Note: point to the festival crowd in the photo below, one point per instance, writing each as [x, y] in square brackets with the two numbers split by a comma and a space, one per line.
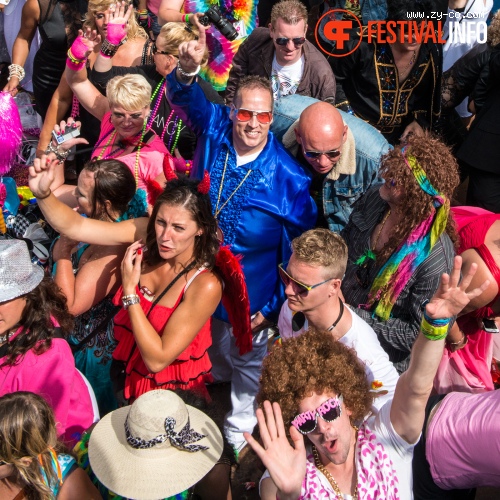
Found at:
[229, 197]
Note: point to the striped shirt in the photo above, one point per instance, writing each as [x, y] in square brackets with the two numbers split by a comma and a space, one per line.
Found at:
[397, 334]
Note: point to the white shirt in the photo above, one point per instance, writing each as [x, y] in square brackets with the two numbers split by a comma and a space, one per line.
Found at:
[362, 338]
[285, 79]
[399, 451]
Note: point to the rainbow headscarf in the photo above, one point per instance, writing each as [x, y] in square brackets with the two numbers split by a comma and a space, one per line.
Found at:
[396, 272]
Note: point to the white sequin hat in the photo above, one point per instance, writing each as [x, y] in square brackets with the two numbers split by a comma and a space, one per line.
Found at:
[18, 275]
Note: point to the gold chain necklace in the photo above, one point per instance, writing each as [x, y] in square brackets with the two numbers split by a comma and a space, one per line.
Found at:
[384, 220]
[328, 476]
[217, 209]
[403, 73]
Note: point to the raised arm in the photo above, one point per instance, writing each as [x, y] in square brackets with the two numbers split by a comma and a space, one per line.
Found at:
[197, 306]
[116, 20]
[21, 48]
[76, 74]
[170, 11]
[71, 224]
[414, 386]
[59, 108]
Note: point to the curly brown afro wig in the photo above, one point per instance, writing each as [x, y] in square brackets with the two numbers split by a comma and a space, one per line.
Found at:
[441, 169]
[314, 362]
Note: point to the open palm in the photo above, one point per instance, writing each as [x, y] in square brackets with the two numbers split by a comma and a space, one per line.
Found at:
[285, 463]
[451, 296]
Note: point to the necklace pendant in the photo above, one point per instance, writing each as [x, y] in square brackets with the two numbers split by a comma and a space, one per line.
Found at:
[147, 293]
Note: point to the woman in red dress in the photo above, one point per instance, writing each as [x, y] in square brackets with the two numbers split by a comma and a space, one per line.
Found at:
[169, 294]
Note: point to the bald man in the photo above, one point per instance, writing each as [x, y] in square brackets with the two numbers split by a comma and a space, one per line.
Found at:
[342, 155]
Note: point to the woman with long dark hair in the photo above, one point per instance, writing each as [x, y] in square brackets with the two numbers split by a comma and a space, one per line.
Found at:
[89, 275]
[33, 357]
[169, 291]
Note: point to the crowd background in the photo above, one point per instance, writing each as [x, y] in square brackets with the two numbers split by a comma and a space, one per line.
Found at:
[199, 124]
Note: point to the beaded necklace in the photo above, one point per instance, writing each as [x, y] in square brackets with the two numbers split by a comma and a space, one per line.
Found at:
[174, 137]
[112, 135]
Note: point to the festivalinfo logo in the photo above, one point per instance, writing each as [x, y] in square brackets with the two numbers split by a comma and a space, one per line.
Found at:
[338, 25]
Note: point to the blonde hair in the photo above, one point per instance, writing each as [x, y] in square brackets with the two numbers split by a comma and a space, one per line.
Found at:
[132, 92]
[173, 34]
[98, 6]
[291, 11]
[27, 434]
[322, 247]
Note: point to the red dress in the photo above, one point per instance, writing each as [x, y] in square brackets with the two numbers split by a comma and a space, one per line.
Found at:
[190, 371]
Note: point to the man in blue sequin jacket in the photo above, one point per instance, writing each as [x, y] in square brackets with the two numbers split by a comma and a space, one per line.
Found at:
[260, 197]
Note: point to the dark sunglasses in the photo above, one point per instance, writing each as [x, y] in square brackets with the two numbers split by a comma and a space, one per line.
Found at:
[155, 50]
[301, 288]
[329, 411]
[298, 42]
[3, 463]
[315, 155]
[245, 115]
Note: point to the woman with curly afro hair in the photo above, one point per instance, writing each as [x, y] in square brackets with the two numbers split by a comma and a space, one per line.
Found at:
[400, 239]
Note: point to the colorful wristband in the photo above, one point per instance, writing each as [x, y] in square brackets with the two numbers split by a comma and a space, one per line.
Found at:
[436, 322]
[187, 18]
[79, 49]
[433, 332]
[75, 66]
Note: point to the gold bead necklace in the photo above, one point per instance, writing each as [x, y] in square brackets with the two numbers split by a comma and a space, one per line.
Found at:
[330, 478]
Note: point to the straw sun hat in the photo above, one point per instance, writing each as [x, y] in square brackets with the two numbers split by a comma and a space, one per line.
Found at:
[18, 275]
[155, 448]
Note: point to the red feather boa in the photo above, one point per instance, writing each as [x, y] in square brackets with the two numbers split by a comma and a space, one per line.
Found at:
[235, 297]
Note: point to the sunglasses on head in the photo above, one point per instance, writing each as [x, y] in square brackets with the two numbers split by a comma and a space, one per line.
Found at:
[3, 463]
[155, 50]
[298, 42]
[329, 411]
[315, 155]
[301, 288]
[245, 115]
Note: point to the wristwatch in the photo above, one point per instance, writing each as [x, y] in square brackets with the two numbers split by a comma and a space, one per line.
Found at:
[129, 300]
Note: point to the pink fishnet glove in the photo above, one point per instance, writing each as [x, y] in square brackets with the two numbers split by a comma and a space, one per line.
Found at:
[116, 33]
[79, 49]
[74, 66]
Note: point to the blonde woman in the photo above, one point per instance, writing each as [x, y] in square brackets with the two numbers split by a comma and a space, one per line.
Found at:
[136, 50]
[178, 138]
[33, 464]
[124, 133]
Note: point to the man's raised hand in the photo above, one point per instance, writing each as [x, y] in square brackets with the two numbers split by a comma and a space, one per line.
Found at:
[191, 53]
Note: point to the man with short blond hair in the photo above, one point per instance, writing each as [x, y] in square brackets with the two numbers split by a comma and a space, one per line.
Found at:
[312, 279]
[282, 54]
